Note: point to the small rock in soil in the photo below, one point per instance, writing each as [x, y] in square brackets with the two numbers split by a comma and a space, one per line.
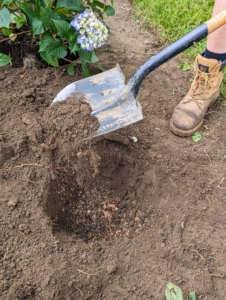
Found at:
[111, 269]
[22, 227]
[12, 204]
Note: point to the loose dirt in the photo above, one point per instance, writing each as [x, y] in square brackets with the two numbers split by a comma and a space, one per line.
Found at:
[117, 216]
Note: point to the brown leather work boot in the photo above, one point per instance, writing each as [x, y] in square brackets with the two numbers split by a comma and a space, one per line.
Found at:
[188, 115]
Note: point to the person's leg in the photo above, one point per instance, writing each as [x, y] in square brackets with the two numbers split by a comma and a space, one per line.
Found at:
[188, 115]
[216, 41]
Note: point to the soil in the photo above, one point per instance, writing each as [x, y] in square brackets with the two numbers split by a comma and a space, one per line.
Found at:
[116, 216]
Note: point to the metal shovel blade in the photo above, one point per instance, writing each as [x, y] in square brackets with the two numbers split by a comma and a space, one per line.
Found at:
[111, 101]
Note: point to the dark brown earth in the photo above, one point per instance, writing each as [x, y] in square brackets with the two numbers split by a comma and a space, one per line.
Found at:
[109, 218]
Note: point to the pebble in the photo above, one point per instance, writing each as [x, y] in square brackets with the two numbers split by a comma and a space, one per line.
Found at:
[27, 93]
[111, 269]
[22, 227]
[12, 204]
[27, 254]
[42, 245]
[12, 266]
[2, 76]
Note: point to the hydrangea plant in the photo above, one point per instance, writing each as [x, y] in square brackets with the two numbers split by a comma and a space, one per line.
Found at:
[93, 33]
[59, 27]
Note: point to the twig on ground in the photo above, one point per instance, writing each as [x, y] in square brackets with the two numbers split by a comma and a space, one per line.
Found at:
[199, 254]
[25, 165]
[221, 182]
[28, 165]
[207, 155]
[6, 39]
[79, 290]
[197, 272]
[7, 250]
[86, 273]
[214, 275]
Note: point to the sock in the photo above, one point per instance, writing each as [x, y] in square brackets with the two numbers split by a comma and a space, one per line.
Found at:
[219, 56]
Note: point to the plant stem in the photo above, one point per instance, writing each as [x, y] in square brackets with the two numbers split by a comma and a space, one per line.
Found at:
[51, 4]
[6, 39]
[70, 61]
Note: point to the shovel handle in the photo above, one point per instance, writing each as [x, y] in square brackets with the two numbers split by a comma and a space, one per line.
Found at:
[216, 22]
[174, 49]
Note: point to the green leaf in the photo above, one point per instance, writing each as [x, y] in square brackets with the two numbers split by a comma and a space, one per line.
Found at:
[37, 6]
[20, 20]
[64, 29]
[6, 31]
[109, 10]
[47, 3]
[85, 70]
[89, 56]
[186, 67]
[98, 3]
[37, 26]
[4, 17]
[196, 137]
[192, 296]
[73, 45]
[27, 10]
[94, 58]
[63, 12]
[70, 69]
[101, 68]
[5, 2]
[13, 37]
[75, 5]
[12, 18]
[4, 59]
[45, 42]
[47, 15]
[173, 292]
[49, 59]
[85, 55]
[98, 11]
[57, 48]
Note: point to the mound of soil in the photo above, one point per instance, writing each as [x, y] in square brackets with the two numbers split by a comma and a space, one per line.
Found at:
[117, 216]
[86, 192]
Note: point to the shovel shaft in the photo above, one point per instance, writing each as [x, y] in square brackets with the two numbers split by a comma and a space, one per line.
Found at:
[216, 22]
[174, 49]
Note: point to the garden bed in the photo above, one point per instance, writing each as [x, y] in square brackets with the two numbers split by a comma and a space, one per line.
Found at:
[108, 218]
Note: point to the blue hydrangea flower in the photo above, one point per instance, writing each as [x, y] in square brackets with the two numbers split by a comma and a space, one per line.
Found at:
[93, 33]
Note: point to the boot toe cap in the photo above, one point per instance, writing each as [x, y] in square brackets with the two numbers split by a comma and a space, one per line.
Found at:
[184, 123]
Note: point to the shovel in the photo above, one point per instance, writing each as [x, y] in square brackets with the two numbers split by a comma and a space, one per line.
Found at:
[112, 102]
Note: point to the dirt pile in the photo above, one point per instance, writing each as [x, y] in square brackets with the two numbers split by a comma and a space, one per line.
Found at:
[68, 128]
[114, 217]
[86, 193]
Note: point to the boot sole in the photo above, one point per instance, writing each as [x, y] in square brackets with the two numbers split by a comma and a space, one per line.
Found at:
[184, 133]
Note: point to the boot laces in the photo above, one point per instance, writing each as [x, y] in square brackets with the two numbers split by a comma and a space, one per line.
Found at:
[201, 86]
